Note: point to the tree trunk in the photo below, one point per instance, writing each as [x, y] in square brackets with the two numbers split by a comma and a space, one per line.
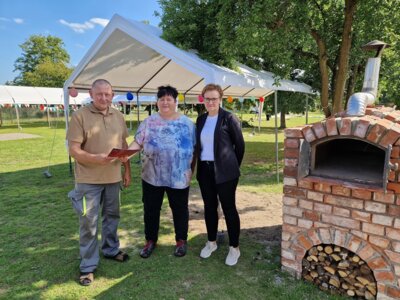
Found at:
[283, 116]
[323, 68]
[341, 74]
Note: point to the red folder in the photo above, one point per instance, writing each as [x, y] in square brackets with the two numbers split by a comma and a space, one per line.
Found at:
[116, 152]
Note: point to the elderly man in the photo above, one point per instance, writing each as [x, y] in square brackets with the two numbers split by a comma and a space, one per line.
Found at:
[93, 131]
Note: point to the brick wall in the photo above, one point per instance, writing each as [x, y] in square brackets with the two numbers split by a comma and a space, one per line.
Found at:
[365, 221]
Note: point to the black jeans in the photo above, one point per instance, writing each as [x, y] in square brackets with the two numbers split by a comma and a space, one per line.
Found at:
[225, 193]
[152, 201]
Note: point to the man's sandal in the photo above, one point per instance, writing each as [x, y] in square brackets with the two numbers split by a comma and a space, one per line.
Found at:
[86, 279]
[120, 256]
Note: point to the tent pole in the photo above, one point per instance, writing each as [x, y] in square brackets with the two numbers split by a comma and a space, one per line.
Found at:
[17, 113]
[66, 106]
[16, 109]
[276, 136]
[260, 109]
[138, 121]
[66, 113]
[138, 114]
[48, 115]
[306, 109]
[184, 105]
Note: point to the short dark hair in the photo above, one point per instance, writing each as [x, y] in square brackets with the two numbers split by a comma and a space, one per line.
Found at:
[101, 81]
[167, 91]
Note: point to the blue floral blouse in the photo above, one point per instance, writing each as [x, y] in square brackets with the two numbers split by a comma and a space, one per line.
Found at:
[167, 154]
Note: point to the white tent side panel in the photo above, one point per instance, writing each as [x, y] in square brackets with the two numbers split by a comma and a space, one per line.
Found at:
[51, 95]
[37, 95]
[25, 95]
[5, 96]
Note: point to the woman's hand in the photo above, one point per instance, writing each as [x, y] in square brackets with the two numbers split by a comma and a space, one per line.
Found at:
[188, 176]
[123, 159]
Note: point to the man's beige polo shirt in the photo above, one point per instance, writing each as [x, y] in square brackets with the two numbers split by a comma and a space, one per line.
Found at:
[97, 133]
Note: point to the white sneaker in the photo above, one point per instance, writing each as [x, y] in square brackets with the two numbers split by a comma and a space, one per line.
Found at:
[208, 249]
[233, 256]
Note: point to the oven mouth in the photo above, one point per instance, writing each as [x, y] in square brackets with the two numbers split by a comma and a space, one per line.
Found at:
[344, 159]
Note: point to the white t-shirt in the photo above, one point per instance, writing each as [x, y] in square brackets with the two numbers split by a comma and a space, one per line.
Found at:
[207, 139]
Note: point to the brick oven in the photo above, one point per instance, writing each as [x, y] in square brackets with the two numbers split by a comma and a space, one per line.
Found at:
[342, 190]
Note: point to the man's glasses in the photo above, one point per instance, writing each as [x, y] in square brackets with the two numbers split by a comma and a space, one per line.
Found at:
[209, 100]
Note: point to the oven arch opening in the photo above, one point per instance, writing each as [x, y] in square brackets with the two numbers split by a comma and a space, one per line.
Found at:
[345, 159]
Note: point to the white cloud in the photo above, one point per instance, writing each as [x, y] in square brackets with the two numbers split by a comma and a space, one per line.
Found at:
[18, 20]
[100, 21]
[82, 27]
[77, 27]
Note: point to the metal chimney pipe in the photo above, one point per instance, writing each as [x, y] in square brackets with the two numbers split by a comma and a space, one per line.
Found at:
[358, 102]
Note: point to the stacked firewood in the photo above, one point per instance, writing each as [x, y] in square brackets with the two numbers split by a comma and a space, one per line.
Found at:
[336, 269]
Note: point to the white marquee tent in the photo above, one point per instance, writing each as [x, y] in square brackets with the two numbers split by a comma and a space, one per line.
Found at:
[10, 94]
[29, 95]
[134, 58]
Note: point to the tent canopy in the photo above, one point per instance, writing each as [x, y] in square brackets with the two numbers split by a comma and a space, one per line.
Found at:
[121, 99]
[133, 57]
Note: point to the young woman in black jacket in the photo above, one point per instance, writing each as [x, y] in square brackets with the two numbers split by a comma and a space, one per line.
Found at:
[220, 150]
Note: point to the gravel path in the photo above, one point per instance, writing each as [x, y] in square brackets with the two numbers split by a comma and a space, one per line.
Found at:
[17, 136]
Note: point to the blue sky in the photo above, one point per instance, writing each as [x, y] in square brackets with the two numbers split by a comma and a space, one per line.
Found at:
[77, 22]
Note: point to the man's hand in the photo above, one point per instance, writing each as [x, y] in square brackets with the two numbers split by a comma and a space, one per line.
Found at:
[103, 159]
[88, 158]
[127, 178]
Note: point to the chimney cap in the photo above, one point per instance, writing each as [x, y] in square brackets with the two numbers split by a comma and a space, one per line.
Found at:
[375, 45]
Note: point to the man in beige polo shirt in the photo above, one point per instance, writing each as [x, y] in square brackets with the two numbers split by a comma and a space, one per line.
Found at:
[93, 131]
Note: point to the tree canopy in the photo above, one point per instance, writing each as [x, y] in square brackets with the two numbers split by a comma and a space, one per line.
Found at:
[318, 42]
[44, 62]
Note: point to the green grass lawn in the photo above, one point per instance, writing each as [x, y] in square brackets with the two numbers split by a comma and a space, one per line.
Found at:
[39, 254]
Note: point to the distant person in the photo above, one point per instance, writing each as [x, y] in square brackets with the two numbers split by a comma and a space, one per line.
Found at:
[94, 130]
[167, 139]
[267, 112]
[148, 109]
[219, 149]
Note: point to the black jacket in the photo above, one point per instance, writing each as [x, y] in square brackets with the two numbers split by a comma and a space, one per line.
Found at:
[228, 146]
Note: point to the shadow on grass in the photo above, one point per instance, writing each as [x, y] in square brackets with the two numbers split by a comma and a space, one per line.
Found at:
[257, 275]
[39, 230]
[40, 253]
[163, 276]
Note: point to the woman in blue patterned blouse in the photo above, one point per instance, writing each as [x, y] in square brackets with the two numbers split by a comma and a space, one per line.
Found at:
[167, 140]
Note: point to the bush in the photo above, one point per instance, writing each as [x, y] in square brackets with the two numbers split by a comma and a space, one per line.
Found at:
[39, 114]
[24, 114]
